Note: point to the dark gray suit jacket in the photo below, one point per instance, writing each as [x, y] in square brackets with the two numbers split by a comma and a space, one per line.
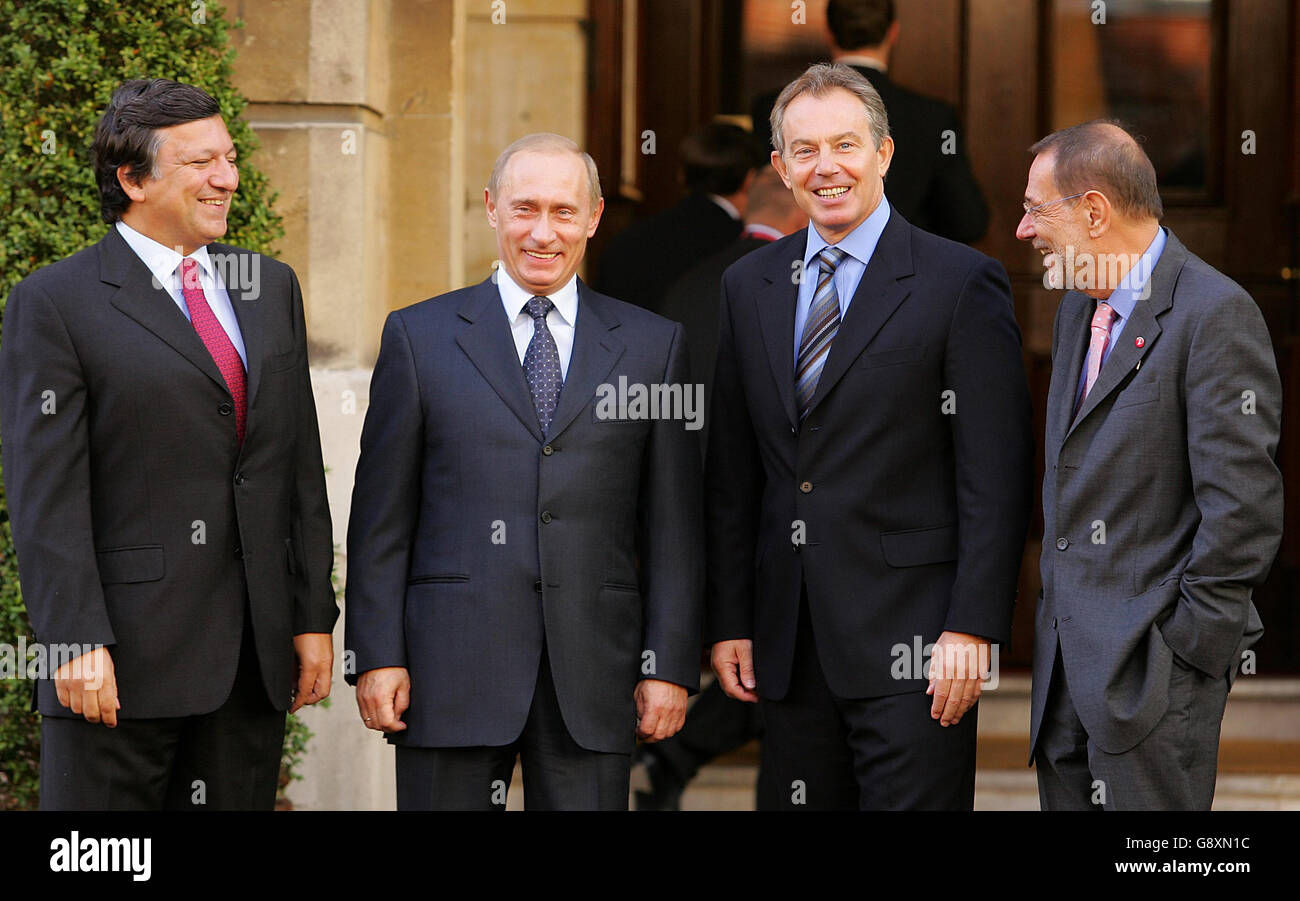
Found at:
[1170, 461]
[473, 539]
[107, 489]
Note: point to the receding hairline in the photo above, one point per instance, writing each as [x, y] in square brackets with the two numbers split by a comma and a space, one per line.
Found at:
[545, 144]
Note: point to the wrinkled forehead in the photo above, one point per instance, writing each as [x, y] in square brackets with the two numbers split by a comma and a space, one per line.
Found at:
[1042, 178]
[199, 138]
[552, 176]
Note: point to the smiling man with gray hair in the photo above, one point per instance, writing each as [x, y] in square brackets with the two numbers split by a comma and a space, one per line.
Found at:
[1162, 504]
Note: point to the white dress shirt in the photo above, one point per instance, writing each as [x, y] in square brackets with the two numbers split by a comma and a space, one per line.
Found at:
[165, 264]
[561, 321]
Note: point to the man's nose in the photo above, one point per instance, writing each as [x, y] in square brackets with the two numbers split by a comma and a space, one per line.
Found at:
[1025, 230]
[225, 175]
[826, 163]
[543, 231]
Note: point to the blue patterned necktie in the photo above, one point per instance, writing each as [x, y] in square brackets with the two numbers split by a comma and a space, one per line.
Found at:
[818, 331]
[542, 364]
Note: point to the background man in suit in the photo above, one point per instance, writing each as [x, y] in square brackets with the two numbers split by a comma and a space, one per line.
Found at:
[717, 723]
[643, 260]
[164, 475]
[1162, 505]
[495, 603]
[930, 184]
[868, 474]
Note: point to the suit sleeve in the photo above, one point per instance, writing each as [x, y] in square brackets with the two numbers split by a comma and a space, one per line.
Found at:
[993, 448]
[44, 414]
[385, 508]
[1232, 436]
[672, 537]
[954, 202]
[315, 608]
[734, 483]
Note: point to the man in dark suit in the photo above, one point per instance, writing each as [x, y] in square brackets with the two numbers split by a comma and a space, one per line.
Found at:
[868, 475]
[645, 258]
[930, 183]
[164, 476]
[1162, 504]
[717, 723]
[525, 548]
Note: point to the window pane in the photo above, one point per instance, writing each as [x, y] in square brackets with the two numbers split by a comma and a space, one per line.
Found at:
[1148, 65]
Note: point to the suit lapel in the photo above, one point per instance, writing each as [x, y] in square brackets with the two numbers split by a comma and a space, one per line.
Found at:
[1075, 313]
[775, 304]
[878, 295]
[1143, 324]
[488, 343]
[152, 307]
[595, 351]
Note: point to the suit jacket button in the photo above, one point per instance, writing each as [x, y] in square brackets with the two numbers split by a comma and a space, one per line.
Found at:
[547, 451]
[239, 553]
[1062, 543]
[546, 516]
[239, 478]
[537, 586]
[806, 487]
[225, 409]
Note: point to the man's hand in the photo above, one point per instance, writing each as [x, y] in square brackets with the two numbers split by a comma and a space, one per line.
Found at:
[88, 686]
[733, 664]
[955, 675]
[382, 697]
[315, 653]
[660, 709]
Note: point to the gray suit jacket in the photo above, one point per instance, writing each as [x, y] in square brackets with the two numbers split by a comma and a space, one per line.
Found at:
[1162, 504]
[474, 541]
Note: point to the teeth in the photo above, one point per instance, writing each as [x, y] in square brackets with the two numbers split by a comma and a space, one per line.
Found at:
[830, 192]
[213, 202]
[542, 256]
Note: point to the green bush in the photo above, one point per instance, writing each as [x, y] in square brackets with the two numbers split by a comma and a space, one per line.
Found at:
[59, 63]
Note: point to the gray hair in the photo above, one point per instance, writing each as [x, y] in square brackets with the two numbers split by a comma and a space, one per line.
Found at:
[1102, 155]
[818, 80]
[545, 142]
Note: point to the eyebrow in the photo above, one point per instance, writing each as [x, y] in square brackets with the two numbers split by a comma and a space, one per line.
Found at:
[838, 137]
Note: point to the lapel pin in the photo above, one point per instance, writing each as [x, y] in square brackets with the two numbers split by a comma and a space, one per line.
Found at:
[1140, 341]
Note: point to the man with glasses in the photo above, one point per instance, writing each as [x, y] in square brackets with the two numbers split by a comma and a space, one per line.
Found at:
[1162, 506]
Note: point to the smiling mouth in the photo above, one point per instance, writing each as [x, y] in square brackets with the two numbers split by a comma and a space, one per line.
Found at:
[544, 257]
[213, 202]
[831, 192]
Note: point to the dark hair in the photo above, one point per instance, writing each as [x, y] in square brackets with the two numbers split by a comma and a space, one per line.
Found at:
[859, 23]
[716, 158]
[127, 133]
[1103, 155]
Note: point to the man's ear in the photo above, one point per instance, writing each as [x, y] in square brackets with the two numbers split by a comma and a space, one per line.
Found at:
[1097, 207]
[491, 208]
[595, 217]
[129, 185]
[885, 155]
[779, 165]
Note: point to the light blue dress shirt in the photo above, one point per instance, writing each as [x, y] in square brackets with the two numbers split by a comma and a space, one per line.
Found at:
[859, 245]
[1122, 300]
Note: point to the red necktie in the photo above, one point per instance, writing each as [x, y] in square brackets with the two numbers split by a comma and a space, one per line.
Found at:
[217, 342]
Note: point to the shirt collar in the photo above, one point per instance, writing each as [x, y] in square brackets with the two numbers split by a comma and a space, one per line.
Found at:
[867, 62]
[727, 206]
[161, 260]
[859, 243]
[516, 298]
[1133, 285]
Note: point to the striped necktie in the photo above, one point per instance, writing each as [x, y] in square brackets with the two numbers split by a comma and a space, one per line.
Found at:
[819, 330]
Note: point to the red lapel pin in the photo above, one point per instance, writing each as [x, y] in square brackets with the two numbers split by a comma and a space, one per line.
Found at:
[1141, 342]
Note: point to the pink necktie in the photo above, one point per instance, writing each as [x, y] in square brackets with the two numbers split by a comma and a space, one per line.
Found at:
[1101, 322]
[216, 340]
